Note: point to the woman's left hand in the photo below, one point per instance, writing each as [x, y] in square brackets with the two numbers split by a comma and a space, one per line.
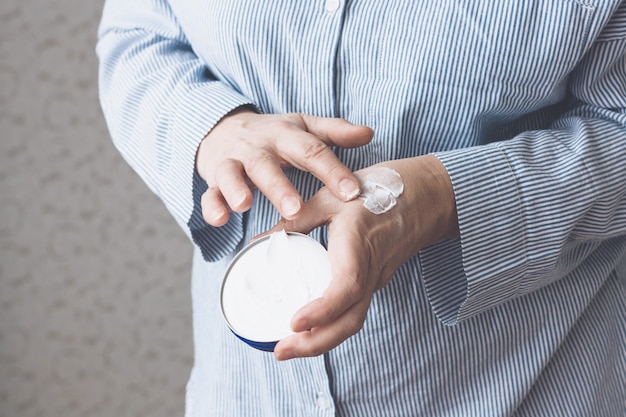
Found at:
[366, 249]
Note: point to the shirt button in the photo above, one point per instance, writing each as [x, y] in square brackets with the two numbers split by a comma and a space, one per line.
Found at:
[332, 5]
[322, 401]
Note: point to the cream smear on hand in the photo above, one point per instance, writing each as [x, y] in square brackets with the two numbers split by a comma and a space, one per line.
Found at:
[269, 281]
[380, 189]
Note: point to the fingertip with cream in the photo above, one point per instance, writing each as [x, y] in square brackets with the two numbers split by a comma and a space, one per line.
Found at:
[349, 189]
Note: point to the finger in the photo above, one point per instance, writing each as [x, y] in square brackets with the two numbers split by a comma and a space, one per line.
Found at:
[317, 211]
[336, 131]
[320, 340]
[231, 180]
[350, 267]
[308, 153]
[266, 174]
[214, 209]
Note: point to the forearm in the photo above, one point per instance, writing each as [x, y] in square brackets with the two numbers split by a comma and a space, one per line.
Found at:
[532, 209]
[159, 101]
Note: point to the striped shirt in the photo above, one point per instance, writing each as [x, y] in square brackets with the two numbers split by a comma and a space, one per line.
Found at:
[523, 101]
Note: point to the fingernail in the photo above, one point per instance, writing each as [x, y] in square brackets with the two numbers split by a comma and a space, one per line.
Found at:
[290, 206]
[349, 189]
[240, 199]
[218, 214]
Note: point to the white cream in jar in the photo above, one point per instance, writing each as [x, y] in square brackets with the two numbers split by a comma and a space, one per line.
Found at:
[268, 281]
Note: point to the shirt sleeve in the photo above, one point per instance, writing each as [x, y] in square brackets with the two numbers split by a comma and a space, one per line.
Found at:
[159, 101]
[531, 209]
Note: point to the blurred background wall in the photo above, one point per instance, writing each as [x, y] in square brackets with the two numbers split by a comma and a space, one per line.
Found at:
[94, 274]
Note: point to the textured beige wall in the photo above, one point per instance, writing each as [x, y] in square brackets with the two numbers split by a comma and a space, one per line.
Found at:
[94, 274]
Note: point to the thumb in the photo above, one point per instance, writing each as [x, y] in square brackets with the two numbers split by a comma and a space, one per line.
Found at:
[317, 211]
[337, 131]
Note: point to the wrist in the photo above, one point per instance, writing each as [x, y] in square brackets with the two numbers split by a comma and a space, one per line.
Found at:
[431, 200]
[444, 199]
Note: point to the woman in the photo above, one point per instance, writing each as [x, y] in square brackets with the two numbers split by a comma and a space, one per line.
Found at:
[494, 286]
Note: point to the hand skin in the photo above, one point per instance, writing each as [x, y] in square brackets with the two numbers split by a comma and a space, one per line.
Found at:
[366, 249]
[246, 150]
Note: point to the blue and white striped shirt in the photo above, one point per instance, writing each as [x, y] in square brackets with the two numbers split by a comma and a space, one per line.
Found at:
[525, 104]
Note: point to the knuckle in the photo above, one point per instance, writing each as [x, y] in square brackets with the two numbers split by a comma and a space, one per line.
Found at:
[256, 163]
[285, 123]
[354, 324]
[295, 117]
[273, 186]
[336, 170]
[317, 350]
[315, 150]
[227, 172]
[226, 165]
[329, 310]
[355, 287]
[264, 171]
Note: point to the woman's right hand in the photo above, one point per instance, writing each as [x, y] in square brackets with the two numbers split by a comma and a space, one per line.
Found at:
[246, 149]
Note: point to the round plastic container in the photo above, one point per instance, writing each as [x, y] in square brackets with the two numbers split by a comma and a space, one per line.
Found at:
[268, 281]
